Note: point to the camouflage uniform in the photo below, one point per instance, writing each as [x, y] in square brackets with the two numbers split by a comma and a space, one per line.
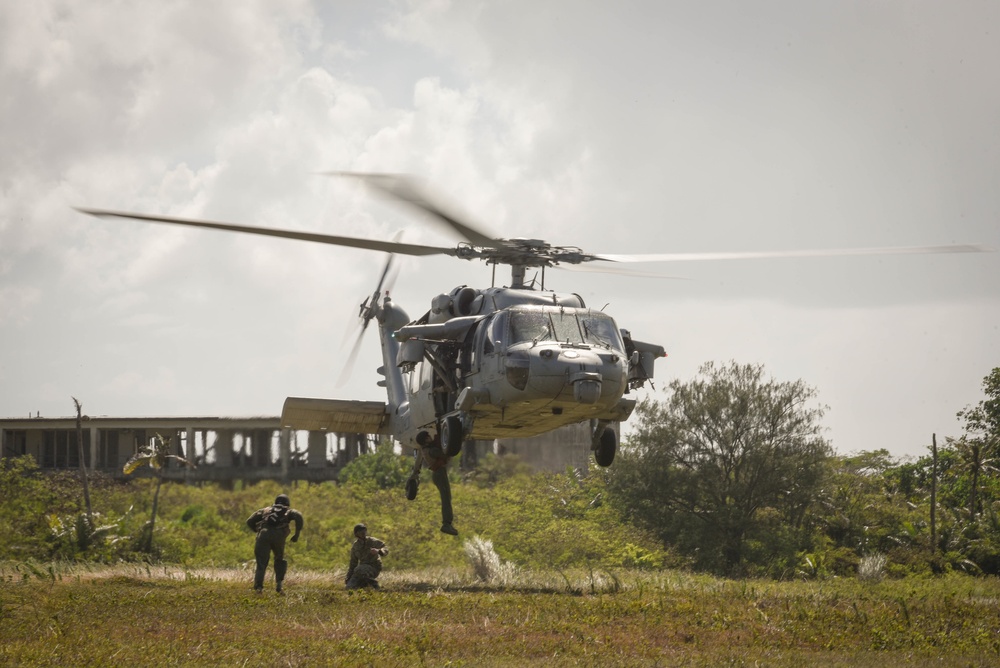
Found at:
[365, 566]
[272, 539]
[433, 457]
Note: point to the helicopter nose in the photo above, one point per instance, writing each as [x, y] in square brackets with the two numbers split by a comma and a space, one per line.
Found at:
[575, 375]
[586, 387]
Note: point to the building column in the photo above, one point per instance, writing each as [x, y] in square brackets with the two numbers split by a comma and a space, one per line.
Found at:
[224, 449]
[285, 453]
[93, 448]
[187, 452]
[316, 454]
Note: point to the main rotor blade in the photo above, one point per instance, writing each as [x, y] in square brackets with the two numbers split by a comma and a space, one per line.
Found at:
[889, 250]
[619, 271]
[352, 242]
[405, 189]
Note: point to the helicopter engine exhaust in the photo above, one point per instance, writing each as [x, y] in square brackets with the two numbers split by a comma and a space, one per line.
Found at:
[460, 302]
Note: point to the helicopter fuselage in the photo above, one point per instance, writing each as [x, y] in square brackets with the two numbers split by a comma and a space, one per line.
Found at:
[506, 362]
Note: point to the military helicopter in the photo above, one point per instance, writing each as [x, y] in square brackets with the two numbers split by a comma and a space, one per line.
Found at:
[497, 362]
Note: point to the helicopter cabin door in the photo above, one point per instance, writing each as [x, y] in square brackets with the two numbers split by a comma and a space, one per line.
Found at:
[487, 352]
[421, 395]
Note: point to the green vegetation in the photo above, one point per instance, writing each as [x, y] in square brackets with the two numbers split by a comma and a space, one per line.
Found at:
[728, 476]
[726, 468]
[545, 520]
[155, 457]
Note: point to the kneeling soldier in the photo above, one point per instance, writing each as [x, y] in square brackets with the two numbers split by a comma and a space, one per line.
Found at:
[366, 560]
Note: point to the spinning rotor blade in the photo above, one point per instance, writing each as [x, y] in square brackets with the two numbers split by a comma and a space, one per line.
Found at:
[407, 190]
[889, 250]
[348, 369]
[366, 317]
[605, 269]
[385, 273]
[369, 310]
[352, 242]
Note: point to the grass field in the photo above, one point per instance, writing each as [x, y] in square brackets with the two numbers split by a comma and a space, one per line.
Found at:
[143, 615]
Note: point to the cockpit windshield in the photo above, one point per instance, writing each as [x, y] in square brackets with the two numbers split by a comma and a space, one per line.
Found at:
[565, 325]
[530, 326]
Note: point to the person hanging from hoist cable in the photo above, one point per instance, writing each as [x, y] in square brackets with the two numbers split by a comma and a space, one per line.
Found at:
[434, 457]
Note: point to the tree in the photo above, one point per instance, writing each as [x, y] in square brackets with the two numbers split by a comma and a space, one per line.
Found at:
[724, 447]
[382, 468]
[155, 457]
[984, 417]
[979, 447]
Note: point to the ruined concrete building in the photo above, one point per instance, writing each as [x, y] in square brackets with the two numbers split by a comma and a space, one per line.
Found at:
[226, 449]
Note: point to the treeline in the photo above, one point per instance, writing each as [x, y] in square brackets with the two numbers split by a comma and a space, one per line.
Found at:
[732, 472]
[728, 474]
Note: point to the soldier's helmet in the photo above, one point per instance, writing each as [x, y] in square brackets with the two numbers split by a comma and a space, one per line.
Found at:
[282, 500]
[360, 527]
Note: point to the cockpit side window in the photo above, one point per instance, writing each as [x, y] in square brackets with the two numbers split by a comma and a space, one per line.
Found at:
[601, 330]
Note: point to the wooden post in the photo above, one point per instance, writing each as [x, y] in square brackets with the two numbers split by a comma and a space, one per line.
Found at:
[934, 466]
[83, 463]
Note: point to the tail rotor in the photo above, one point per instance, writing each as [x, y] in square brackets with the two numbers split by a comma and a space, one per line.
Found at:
[369, 310]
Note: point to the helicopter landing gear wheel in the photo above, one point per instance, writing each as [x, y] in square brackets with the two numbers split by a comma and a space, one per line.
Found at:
[604, 454]
[451, 435]
[411, 489]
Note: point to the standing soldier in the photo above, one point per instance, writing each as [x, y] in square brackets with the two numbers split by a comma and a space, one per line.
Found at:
[272, 527]
[366, 559]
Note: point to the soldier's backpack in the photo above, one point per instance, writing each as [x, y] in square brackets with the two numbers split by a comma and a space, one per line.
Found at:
[275, 516]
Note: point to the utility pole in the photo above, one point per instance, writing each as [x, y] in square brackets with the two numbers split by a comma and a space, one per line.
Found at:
[934, 467]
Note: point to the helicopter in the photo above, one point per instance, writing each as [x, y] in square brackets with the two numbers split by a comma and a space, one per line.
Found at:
[505, 361]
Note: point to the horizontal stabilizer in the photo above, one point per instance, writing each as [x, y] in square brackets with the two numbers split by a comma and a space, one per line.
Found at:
[336, 415]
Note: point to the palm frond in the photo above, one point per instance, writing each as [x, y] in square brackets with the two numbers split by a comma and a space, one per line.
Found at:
[135, 461]
[182, 460]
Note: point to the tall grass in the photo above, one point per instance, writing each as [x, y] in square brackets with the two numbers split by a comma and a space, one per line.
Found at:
[136, 614]
[486, 563]
[871, 568]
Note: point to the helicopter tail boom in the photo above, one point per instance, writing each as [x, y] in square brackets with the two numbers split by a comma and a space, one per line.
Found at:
[335, 415]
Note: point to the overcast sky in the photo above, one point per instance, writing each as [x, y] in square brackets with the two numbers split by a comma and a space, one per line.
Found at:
[625, 127]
